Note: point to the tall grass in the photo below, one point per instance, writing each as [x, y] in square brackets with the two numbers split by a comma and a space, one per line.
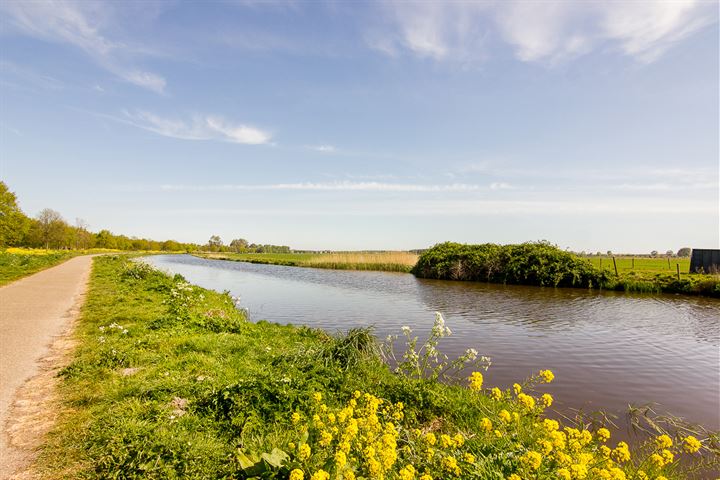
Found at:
[384, 261]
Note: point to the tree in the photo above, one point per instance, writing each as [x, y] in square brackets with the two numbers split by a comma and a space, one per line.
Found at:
[669, 253]
[684, 252]
[239, 244]
[14, 224]
[654, 253]
[105, 239]
[52, 228]
[215, 243]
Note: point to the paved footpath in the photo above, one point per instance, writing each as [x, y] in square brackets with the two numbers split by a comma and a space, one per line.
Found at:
[33, 312]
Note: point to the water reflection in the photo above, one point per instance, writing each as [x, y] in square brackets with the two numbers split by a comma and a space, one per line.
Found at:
[607, 349]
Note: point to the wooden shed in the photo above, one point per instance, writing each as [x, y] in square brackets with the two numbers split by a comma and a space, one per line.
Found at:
[705, 260]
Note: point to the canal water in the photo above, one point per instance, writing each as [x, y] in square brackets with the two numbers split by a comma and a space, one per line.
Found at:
[608, 350]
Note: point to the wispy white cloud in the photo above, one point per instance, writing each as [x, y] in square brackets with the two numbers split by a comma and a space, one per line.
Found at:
[547, 31]
[80, 24]
[470, 208]
[334, 186]
[323, 148]
[199, 127]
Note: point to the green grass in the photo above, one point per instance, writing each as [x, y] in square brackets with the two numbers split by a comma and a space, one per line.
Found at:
[170, 381]
[14, 266]
[641, 264]
[287, 259]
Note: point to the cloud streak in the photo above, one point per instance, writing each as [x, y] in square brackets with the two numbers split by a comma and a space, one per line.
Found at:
[199, 127]
[548, 32]
[80, 24]
[332, 187]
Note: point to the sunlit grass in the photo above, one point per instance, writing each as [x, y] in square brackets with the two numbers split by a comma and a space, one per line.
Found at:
[385, 261]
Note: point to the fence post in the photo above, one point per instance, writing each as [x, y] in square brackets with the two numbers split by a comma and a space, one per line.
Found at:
[600, 263]
[678, 271]
[668, 263]
[633, 264]
[615, 265]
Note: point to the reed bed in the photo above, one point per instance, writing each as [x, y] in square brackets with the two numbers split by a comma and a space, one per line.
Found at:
[386, 261]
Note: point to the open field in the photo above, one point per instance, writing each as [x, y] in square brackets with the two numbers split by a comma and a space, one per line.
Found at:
[170, 381]
[642, 264]
[384, 261]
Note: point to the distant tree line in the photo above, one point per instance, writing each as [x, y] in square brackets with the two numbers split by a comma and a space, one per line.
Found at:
[240, 245]
[50, 230]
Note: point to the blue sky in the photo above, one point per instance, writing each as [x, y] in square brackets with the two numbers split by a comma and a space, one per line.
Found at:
[375, 125]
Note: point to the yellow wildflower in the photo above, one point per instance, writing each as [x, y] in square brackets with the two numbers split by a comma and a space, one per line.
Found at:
[621, 452]
[297, 474]
[551, 425]
[605, 451]
[546, 399]
[547, 376]
[564, 474]
[295, 418]
[496, 393]
[459, 440]
[486, 424]
[446, 441]
[426, 477]
[320, 475]
[532, 459]
[661, 477]
[667, 456]
[657, 460]
[325, 438]
[663, 441]
[304, 451]
[451, 465]
[476, 381]
[517, 388]
[603, 434]
[469, 458]
[527, 401]
[691, 444]
[546, 447]
[317, 396]
[514, 476]
[430, 438]
[617, 474]
[340, 459]
[505, 416]
[407, 472]
[579, 470]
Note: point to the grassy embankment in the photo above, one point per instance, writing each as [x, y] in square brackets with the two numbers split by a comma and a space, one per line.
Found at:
[16, 263]
[170, 381]
[383, 261]
[546, 265]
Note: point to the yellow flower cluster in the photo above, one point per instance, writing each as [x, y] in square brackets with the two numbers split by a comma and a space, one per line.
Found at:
[367, 439]
[476, 381]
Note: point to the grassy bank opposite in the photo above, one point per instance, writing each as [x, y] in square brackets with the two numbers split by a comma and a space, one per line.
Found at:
[170, 381]
[380, 261]
[16, 263]
[543, 264]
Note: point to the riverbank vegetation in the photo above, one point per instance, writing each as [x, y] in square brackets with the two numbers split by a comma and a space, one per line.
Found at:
[171, 381]
[543, 264]
[381, 261]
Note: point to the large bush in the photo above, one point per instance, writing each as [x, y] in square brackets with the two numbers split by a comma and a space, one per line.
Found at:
[525, 264]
